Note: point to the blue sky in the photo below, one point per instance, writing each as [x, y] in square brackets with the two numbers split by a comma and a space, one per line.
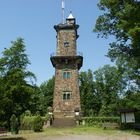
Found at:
[33, 20]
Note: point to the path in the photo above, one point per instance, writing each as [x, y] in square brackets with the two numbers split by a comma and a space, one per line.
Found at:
[91, 137]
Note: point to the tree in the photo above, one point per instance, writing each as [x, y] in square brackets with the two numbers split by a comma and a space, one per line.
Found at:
[109, 87]
[17, 91]
[14, 124]
[89, 101]
[101, 91]
[45, 95]
[121, 19]
[2, 102]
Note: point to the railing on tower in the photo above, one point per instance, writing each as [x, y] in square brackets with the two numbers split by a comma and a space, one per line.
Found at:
[55, 54]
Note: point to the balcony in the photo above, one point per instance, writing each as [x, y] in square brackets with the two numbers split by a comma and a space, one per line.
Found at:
[67, 60]
[54, 54]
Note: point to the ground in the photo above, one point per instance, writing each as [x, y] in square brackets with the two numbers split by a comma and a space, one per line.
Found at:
[92, 137]
[81, 133]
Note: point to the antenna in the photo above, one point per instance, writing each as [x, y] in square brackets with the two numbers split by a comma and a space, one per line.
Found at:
[63, 10]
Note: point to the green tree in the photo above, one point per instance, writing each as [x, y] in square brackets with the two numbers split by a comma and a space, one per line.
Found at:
[14, 124]
[109, 85]
[2, 103]
[45, 96]
[89, 102]
[121, 19]
[17, 90]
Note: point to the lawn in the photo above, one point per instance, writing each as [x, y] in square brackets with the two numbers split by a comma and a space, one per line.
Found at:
[52, 132]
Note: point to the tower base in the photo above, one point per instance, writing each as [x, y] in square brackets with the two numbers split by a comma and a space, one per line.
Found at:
[64, 114]
[64, 122]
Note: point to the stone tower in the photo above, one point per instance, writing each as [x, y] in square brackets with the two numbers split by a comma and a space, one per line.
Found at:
[67, 62]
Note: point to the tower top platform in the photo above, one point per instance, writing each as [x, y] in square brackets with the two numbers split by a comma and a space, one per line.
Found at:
[70, 24]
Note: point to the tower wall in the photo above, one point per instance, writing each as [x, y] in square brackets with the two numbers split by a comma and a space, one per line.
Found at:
[66, 36]
[62, 107]
[67, 63]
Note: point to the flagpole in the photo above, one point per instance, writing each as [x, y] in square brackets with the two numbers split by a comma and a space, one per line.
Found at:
[63, 9]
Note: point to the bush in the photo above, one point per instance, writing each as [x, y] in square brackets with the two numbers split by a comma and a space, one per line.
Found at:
[14, 124]
[137, 116]
[32, 123]
[27, 113]
[98, 121]
[26, 122]
[45, 118]
[37, 124]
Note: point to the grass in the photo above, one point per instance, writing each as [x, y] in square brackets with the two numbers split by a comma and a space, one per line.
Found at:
[30, 135]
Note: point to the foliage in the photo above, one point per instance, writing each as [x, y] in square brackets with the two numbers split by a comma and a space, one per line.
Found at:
[16, 92]
[120, 18]
[29, 122]
[109, 85]
[88, 100]
[105, 91]
[98, 121]
[137, 117]
[14, 124]
[26, 122]
[45, 118]
[27, 113]
[101, 95]
[37, 124]
[45, 93]
[131, 101]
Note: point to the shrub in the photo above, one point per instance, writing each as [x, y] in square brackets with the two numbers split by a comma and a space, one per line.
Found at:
[137, 116]
[27, 113]
[37, 124]
[32, 123]
[26, 122]
[98, 121]
[14, 124]
[45, 118]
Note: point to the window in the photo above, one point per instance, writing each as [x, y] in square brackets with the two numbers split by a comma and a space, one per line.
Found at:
[66, 74]
[66, 95]
[66, 44]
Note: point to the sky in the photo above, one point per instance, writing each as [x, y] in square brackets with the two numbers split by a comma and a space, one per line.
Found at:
[34, 20]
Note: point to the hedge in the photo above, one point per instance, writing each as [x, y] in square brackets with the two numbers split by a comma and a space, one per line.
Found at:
[98, 121]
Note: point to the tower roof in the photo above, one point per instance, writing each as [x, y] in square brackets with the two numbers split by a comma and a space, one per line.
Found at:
[70, 16]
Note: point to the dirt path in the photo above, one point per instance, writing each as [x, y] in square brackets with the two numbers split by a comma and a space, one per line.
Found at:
[91, 137]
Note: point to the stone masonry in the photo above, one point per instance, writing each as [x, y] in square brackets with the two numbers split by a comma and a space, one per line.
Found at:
[67, 63]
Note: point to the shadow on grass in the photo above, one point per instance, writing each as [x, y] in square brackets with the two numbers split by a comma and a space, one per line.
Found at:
[132, 131]
[137, 132]
[18, 138]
